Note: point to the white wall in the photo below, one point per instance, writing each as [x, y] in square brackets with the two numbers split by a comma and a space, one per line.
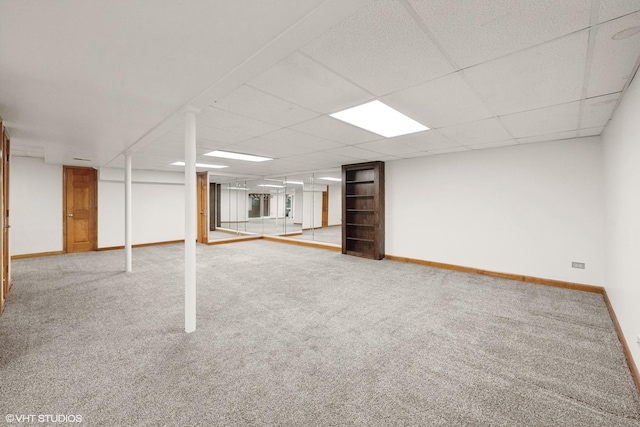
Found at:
[529, 209]
[35, 206]
[157, 207]
[621, 148]
[335, 204]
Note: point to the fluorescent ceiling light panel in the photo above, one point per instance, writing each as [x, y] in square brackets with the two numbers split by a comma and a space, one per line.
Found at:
[201, 165]
[328, 178]
[238, 188]
[379, 118]
[237, 156]
[271, 185]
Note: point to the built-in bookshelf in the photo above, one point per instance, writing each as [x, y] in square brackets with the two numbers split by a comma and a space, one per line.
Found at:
[363, 210]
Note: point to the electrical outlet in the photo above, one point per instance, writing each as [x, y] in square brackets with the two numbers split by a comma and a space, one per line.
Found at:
[577, 265]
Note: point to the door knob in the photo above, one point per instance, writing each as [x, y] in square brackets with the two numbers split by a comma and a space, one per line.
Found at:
[69, 214]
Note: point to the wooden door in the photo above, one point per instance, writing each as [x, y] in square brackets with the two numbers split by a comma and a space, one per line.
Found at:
[6, 264]
[325, 208]
[80, 209]
[202, 188]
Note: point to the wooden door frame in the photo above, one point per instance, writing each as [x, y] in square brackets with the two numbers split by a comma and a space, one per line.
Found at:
[202, 197]
[64, 205]
[325, 208]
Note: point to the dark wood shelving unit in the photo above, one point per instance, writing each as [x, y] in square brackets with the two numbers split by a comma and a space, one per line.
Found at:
[363, 210]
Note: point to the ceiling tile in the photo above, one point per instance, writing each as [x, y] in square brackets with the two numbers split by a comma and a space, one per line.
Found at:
[426, 141]
[356, 153]
[543, 121]
[473, 32]
[494, 144]
[336, 130]
[381, 49]
[480, 132]
[613, 60]
[390, 146]
[610, 9]
[303, 81]
[590, 131]
[544, 75]
[250, 102]
[545, 138]
[220, 137]
[450, 150]
[597, 111]
[269, 148]
[302, 140]
[441, 102]
[236, 123]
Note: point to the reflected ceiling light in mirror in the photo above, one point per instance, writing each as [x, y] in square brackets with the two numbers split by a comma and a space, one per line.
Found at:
[238, 188]
[237, 156]
[328, 178]
[379, 118]
[294, 182]
[270, 185]
[201, 165]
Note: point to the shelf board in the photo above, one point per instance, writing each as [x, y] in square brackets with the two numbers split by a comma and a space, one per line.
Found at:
[359, 239]
[359, 196]
[359, 210]
[368, 181]
[359, 225]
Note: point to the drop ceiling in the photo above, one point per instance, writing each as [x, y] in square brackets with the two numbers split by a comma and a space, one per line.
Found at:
[80, 80]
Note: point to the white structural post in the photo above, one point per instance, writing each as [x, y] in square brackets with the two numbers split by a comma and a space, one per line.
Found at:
[127, 212]
[190, 219]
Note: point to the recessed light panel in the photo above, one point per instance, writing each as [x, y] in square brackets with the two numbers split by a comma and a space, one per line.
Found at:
[201, 165]
[237, 156]
[379, 118]
[328, 178]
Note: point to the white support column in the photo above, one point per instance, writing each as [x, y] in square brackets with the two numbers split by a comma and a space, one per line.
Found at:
[127, 212]
[190, 213]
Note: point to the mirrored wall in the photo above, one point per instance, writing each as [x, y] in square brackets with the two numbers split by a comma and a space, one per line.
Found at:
[304, 206]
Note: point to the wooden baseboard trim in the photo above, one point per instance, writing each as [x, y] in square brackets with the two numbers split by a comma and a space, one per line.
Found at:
[140, 245]
[519, 277]
[309, 243]
[233, 240]
[37, 255]
[625, 347]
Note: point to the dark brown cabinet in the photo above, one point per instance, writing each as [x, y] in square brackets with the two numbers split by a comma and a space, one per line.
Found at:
[363, 210]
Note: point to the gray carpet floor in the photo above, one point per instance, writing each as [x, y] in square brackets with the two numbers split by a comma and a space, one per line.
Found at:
[298, 336]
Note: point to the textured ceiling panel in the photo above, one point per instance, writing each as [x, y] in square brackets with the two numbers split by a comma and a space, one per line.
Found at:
[356, 152]
[301, 139]
[303, 81]
[242, 125]
[597, 111]
[543, 121]
[545, 138]
[269, 148]
[441, 102]
[426, 141]
[392, 147]
[473, 32]
[590, 131]
[545, 75]
[381, 48]
[613, 60]
[336, 130]
[251, 102]
[480, 132]
[610, 9]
